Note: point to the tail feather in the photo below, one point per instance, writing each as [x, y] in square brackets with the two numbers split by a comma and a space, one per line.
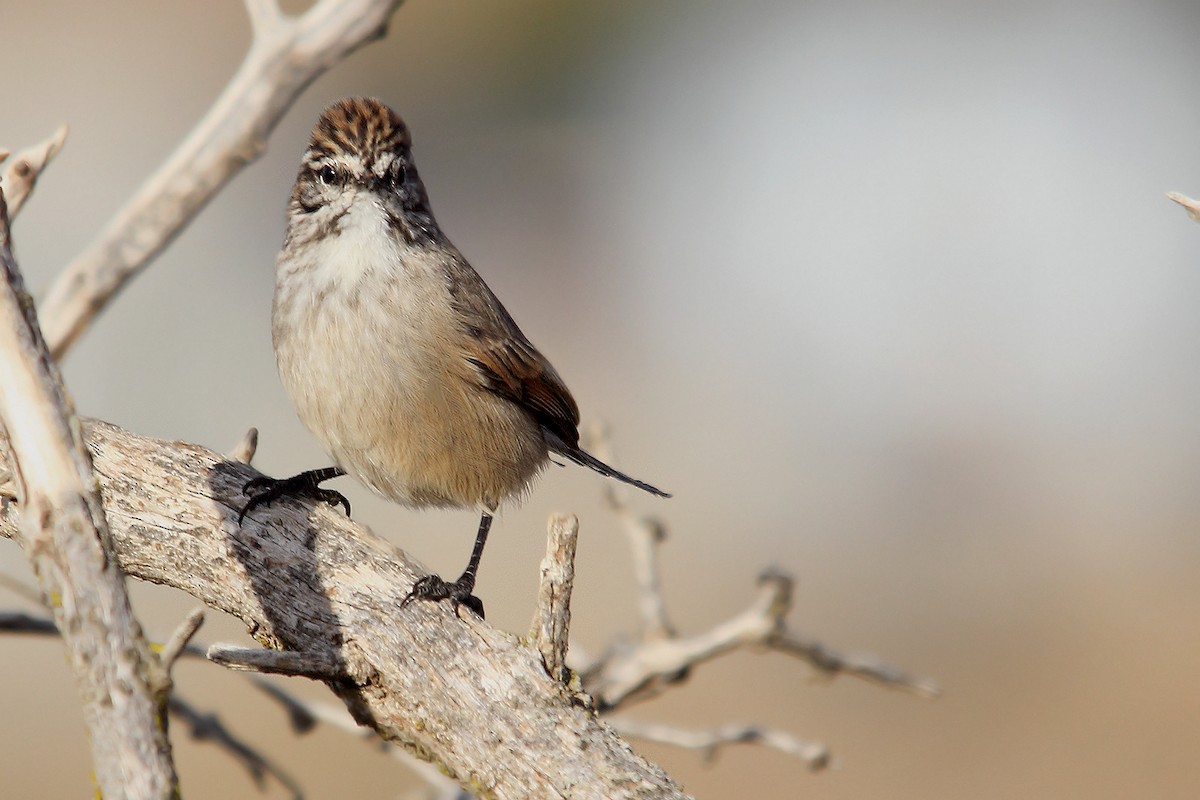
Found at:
[586, 459]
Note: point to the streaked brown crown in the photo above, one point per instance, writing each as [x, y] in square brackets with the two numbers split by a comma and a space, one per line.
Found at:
[361, 126]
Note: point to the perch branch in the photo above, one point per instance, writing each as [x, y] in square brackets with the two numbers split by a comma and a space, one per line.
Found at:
[305, 579]
[66, 539]
[285, 56]
[17, 587]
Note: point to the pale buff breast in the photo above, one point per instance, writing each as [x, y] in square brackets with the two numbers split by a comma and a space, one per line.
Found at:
[374, 364]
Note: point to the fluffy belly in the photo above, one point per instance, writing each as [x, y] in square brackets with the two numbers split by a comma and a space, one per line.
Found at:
[420, 460]
[402, 416]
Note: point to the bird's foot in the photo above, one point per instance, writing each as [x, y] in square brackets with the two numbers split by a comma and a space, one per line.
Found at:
[433, 587]
[262, 490]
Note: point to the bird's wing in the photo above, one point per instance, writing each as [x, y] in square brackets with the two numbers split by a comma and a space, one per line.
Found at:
[507, 363]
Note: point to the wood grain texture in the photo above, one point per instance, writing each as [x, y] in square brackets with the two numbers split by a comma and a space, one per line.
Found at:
[458, 692]
[67, 543]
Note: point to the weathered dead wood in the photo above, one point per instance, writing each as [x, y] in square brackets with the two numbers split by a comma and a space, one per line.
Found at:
[67, 542]
[305, 579]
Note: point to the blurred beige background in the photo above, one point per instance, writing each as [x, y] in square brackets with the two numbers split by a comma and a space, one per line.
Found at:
[887, 293]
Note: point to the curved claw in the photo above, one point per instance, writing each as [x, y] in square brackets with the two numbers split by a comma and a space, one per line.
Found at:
[255, 483]
[255, 500]
[262, 490]
[433, 587]
[333, 498]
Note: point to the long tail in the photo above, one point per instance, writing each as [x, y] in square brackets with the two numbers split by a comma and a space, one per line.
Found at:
[586, 459]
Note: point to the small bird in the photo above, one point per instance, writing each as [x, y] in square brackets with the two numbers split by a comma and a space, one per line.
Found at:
[396, 354]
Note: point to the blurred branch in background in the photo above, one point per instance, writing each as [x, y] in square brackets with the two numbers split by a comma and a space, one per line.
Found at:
[1192, 206]
[201, 726]
[660, 657]
[286, 55]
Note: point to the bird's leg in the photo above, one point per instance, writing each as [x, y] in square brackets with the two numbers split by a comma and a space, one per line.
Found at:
[263, 490]
[433, 587]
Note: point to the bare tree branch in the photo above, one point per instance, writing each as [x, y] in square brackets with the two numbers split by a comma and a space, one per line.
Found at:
[815, 754]
[646, 668]
[209, 728]
[448, 689]
[642, 670]
[285, 56]
[66, 539]
[831, 663]
[660, 658]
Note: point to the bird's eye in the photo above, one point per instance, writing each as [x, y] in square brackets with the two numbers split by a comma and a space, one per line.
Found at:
[328, 175]
[400, 174]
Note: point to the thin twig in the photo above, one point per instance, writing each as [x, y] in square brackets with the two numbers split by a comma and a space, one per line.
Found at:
[201, 726]
[709, 742]
[209, 728]
[20, 622]
[177, 644]
[319, 666]
[21, 589]
[831, 663]
[305, 714]
[660, 658]
[637, 672]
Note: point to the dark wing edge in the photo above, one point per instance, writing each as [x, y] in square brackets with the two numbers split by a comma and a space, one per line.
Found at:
[516, 371]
